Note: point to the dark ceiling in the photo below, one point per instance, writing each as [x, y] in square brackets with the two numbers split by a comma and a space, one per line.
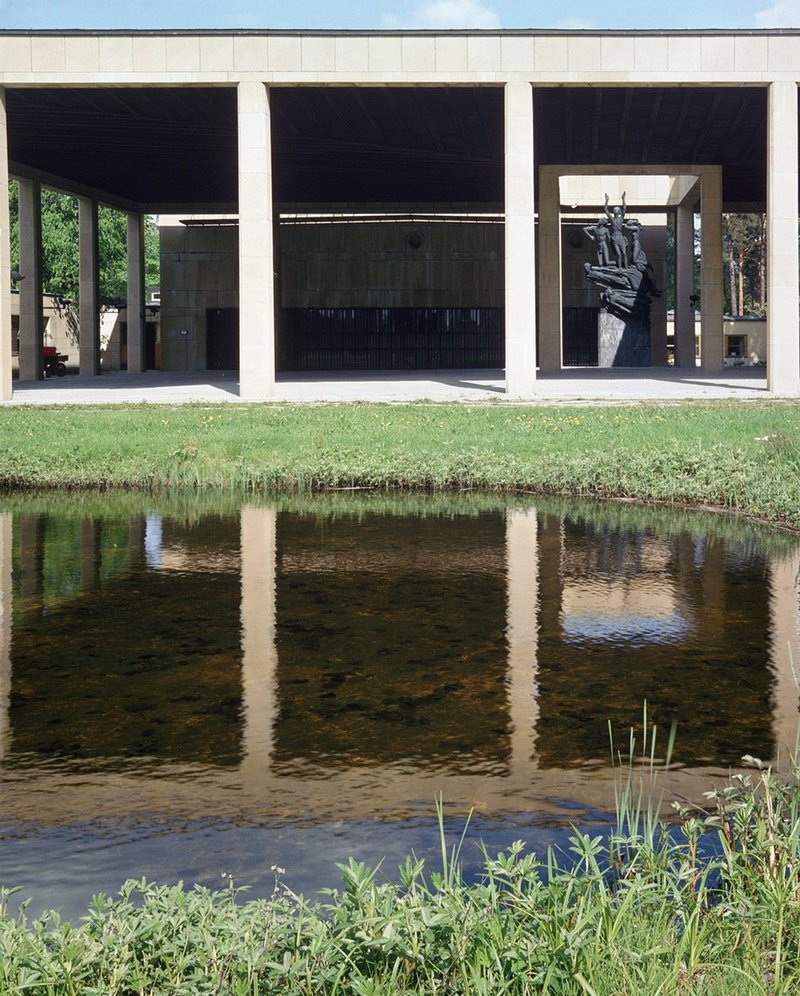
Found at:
[176, 148]
[151, 146]
[659, 125]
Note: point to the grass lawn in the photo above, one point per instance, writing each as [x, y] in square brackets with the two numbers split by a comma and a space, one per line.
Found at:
[743, 457]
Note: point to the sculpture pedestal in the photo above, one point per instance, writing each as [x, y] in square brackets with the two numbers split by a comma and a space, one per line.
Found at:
[622, 343]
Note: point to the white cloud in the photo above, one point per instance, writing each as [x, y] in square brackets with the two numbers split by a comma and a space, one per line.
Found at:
[443, 14]
[575, 24]
[782, 14]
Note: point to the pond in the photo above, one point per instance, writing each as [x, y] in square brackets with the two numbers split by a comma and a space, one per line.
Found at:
[197, 689]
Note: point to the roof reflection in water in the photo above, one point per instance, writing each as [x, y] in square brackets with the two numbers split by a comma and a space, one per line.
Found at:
[345, 660]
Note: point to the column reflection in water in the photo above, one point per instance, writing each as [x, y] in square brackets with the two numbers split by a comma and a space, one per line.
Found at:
[522, 567]
[784, 587]
[259, 656]
[6, 604]
[386, 657]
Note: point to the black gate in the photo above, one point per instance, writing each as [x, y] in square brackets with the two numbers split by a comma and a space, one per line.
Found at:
[222, 338]
[390, 338]
[579, 327]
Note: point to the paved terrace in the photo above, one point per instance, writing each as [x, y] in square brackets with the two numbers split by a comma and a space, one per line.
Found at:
[481, 386]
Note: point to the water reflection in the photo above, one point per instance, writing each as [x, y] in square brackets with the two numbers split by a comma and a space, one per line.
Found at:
[343, 661]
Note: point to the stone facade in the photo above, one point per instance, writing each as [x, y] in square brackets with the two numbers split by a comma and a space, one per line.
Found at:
[527, 66]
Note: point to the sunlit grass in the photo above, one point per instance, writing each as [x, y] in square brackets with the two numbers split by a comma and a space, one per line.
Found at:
[743, 457]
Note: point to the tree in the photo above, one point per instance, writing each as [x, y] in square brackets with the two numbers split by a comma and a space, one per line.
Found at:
[744, 240]
[60, 247]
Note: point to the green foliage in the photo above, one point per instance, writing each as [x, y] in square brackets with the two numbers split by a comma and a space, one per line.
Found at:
[744, 239]
[60, 249]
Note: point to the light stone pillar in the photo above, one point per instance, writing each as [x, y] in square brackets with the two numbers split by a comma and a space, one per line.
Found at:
[785, 612]
[522, 629]
[711, 296]
[520, 241]
[135, 303]
[259, 654]
[31, 316]
[6, 607]
[783, 350]
[549, 256]
[685, 353]
[5, 260]
[256, 250]
[89, 335]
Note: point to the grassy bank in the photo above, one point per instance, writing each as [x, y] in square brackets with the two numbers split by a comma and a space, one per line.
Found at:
[639, 913]
[744, 457]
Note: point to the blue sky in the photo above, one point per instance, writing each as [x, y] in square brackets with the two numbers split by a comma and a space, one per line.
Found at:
[398, 14]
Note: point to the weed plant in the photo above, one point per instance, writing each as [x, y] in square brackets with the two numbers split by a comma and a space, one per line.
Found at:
[705, 903]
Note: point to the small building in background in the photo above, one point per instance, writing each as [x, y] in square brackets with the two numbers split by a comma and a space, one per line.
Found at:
[60, 329]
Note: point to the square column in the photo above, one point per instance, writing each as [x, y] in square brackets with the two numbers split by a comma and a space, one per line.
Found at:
[135, 303]
[522, 630]
[5, 260]
[550, 356]
[256, 250]
[89, 288]
[259, 529]
[783, 351]
[685, 353]
[31, 316]
[711, 296]
[520, 242]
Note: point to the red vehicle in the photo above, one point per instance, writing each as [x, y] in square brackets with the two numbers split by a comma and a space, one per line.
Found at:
[54, 362]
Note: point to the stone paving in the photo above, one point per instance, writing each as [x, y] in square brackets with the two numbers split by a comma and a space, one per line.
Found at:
[566, 386]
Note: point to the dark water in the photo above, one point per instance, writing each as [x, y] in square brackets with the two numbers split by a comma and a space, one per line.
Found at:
[189, 691]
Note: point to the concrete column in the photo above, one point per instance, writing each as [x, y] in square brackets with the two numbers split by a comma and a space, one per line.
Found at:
[31, 316]
[522, 573]
[136, 293]
[549, 256]
[259, 654]
[520, 241]
[684, 286]
[5, 260]
[711, 296]
[783, 349]
[89, 336]
[785, 612]
[6, 608]
[256, 250]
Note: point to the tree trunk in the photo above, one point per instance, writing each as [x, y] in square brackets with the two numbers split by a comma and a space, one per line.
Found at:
[740, 310]
[728, 239]
[762, 261]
